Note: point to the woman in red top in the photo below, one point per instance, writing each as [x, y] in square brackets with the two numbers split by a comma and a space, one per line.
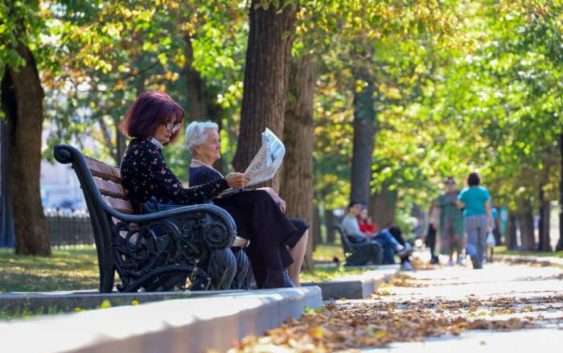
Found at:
[366, 225]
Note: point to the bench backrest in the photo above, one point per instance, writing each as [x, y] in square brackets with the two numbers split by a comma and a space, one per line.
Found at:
[346, 244]
[108, 181]
[104, 195]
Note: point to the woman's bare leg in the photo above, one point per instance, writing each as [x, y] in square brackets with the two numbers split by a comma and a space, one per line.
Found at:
[298, 255]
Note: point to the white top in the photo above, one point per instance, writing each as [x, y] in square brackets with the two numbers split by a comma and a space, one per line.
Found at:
[156, 143]
[350, 226]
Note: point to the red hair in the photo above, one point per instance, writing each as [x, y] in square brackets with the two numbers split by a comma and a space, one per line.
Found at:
[150, 110]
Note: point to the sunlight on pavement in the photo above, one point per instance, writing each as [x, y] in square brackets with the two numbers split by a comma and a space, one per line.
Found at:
[533, 340]
[447, 308]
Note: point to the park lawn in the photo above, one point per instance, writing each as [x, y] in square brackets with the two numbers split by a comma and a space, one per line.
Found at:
[75, 268]
[67, 269]
[501, 250]
[327, 252]
[327, 274]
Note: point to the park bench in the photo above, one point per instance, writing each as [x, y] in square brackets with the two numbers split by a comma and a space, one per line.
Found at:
[153, 251]
[359, 254]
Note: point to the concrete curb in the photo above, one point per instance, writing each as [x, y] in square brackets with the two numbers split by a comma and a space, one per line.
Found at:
[182, 325]
[36, 303]
[358, 286]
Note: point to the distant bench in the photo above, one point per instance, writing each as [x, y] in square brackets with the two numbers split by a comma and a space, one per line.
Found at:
[359, 254]
[155, 251]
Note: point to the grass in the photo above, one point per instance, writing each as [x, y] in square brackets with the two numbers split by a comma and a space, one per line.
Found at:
[67, 269]
[76, 268]
[327, 252]
[501, 250]
[327, 274]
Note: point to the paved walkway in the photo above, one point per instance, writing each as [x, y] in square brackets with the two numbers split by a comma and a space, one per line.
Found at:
[527, 294]
[501, 308]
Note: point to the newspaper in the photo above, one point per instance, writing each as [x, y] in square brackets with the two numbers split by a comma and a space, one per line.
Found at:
[267, 161]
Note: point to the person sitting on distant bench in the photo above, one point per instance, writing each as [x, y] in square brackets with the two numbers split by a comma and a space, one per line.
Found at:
[385, 239]
[396, 232]
[367, 226]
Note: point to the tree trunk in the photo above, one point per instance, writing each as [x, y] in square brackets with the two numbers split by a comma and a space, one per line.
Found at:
[316, 227]
[330, 222]
[382, 207]
[559, 246]
[202, 105]
[197, 108]
[544, 240]
[6, 219]
[511, 241]
[22, 101]
[364, 135]
[297, 172]
[265, 78]
[120, 144]
[526, 225]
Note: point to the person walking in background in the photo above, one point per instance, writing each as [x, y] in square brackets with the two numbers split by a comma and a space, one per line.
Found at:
[477, 218]
[430, 242]
[451, 239]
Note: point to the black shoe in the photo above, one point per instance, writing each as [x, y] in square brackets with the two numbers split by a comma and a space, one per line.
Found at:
[476, 264]
[277, 279]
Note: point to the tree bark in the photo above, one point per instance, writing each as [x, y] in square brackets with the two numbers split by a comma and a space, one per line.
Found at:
[559, 246]
[6, 218]
[544, 239]
[22, 101]
[526, 225]
[202, 105]
[316, 227]
[330, 222]
[197, 108]
[120, 144]
[297, 172]
[512, 241]
[265, 78]
[382, 207]
[364, 135]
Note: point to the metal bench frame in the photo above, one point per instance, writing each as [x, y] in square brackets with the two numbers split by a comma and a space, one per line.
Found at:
[359, 254]
[154, 251]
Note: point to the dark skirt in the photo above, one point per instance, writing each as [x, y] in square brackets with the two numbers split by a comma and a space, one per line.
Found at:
[270, 232]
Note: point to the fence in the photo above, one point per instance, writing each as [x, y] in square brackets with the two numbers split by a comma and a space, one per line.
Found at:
[69, 228]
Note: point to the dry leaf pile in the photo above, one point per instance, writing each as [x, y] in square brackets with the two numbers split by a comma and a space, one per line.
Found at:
[421, 265]
[353, 325]
[527, 262]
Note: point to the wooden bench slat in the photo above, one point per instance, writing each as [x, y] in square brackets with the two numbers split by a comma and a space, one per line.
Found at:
[119, 204]
[110, 188]
[103, 170]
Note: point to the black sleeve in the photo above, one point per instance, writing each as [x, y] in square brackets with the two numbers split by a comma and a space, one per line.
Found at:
[169, 186]
[203, 175]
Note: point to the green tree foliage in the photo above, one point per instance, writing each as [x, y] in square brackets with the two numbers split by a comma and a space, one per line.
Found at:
[109, 52]
[460, 85]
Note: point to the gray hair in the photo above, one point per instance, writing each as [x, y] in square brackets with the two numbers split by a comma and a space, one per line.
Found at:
[196, 133]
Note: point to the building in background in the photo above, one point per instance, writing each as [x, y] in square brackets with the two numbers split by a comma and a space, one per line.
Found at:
[60, 188]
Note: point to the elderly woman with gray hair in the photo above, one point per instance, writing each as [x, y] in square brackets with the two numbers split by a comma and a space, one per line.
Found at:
[276, 242]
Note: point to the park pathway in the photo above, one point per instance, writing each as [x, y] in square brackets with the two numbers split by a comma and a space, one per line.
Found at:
[502, 308]
[509, 308]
